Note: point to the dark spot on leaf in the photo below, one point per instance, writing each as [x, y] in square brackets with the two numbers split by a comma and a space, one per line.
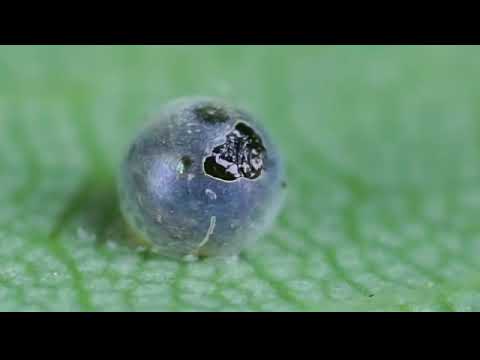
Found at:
[284, 184]
[242, 155]
[212, 114]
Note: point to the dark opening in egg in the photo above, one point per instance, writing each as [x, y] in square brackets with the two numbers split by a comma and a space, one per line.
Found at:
[242, 155]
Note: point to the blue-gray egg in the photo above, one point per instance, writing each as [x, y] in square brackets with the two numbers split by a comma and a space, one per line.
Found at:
[204, 179]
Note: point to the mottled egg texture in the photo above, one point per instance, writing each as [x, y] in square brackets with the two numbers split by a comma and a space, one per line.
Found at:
[204, 179]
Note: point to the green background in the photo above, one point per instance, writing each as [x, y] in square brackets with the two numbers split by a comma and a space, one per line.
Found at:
[382, 145]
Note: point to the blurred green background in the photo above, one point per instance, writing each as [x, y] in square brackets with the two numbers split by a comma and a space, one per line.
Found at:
[382, 145]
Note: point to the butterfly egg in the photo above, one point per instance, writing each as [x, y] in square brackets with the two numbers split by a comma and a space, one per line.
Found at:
[204, 179]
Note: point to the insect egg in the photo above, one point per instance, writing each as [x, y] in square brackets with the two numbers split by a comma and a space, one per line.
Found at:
[204, 179]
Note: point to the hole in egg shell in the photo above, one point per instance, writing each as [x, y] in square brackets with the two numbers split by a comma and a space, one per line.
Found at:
[240, 156]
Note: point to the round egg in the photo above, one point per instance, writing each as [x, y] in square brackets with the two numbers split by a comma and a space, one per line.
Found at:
[204, 179]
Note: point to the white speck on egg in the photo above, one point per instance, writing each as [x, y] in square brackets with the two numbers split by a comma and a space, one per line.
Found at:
[211, 194]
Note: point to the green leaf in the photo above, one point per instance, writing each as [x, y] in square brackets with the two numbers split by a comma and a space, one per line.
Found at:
[382, 146]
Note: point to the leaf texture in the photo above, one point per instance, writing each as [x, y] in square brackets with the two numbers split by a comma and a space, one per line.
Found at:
[381, 144]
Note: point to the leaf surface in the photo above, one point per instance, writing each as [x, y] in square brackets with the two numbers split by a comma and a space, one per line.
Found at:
[382, 147]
